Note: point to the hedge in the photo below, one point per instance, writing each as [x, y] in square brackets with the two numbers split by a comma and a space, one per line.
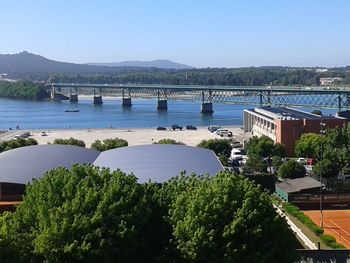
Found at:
[328, 240]
[295, 211]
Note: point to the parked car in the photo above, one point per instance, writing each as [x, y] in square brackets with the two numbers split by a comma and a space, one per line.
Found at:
[301, 161]
[213, 128]
[236, 154]
[159, 128]
[234, 162]
[219, 131]
[191, 127]
[176, 127]
[43, 133]
[225, 134]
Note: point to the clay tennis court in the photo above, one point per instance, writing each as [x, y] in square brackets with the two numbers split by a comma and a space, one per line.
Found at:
[335, 223]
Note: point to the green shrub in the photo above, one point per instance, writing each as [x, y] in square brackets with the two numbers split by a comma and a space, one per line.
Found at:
[336, 245]
[169, 141]
[305, 220]
[70, 141]
[108, 144]
[327, 239]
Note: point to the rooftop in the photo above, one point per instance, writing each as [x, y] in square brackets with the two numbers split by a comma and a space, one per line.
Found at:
[298, 184]
[289, 113]
[147, 162]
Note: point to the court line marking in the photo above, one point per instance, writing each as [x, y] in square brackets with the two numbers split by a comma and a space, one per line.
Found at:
[347, 241]
[340, 227]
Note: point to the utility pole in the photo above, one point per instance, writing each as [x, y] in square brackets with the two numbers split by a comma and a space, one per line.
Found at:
[322, 131]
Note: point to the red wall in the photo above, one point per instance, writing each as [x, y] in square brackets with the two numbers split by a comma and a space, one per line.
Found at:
[289, 131]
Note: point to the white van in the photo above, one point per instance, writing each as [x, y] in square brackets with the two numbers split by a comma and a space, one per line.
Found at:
[236, 154]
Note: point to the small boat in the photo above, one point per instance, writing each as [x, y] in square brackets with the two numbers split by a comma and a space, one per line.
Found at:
[68, 110]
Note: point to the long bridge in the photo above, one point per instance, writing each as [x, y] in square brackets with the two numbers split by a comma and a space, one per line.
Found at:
[306, 97]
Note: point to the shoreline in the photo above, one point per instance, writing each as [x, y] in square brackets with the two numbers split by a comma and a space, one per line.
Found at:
[134, 136]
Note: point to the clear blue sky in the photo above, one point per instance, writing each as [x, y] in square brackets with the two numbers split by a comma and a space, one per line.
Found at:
[200, 33]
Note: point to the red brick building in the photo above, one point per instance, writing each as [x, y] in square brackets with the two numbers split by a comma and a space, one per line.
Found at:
[285, 125]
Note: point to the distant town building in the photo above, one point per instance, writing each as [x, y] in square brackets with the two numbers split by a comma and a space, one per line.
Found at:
[330, 81]
[285, 125]
[321, 70]
[3, 76]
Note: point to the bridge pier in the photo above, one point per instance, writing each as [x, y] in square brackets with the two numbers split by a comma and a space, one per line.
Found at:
[73, 97]
[98, 99]
[126, 101]
[207, 107]
[162, 104]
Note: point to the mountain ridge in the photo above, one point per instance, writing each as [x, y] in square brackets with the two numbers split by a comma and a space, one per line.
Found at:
[157, 63]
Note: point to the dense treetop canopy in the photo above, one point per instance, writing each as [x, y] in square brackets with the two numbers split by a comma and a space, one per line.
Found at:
[88, 214]
[22, 90]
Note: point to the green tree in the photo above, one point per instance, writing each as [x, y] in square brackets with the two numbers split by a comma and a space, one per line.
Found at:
[22, 90]
[16, 143]
[70, 141]
[308, 145]
[276, 162]
[169, 141]
[291, 169]
[264, 147]
[84, 214]
[108, 144]
[227, 219]
[220, 147]
[330, 168]
[255, 164]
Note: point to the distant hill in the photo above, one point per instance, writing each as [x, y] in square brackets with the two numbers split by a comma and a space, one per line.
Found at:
[159, 63]
[26, 65]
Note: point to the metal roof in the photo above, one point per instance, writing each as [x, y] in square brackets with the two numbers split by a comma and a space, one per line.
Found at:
[23, 164]
[298, 184]
[160, 162]
[289, 114]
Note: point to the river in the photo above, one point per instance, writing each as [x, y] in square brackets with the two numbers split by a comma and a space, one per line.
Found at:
[143, 114]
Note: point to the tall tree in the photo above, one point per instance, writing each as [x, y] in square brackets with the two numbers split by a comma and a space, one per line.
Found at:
[83, 214]
[309, 145]
[291, 169]
[228, 219]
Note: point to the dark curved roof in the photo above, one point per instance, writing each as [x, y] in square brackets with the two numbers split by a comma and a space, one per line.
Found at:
[23, 164]
[160, 162]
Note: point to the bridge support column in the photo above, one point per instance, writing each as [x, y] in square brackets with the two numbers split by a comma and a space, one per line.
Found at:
[98, 99]
[162, 105]
[53, 92]
[207, 107]
[73, 97]
[126, 102]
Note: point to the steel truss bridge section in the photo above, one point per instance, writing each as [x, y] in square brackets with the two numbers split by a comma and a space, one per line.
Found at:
[318, 98]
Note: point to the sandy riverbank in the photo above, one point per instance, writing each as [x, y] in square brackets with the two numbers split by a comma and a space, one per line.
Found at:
[134, 136]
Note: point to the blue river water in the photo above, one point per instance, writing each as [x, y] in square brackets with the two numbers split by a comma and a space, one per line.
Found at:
[143, 114]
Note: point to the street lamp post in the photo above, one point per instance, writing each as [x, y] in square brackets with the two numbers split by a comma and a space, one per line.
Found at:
[322, 131]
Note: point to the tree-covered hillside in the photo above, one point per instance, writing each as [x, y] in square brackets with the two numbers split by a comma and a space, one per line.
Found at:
[254, 76]
[22, 90]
